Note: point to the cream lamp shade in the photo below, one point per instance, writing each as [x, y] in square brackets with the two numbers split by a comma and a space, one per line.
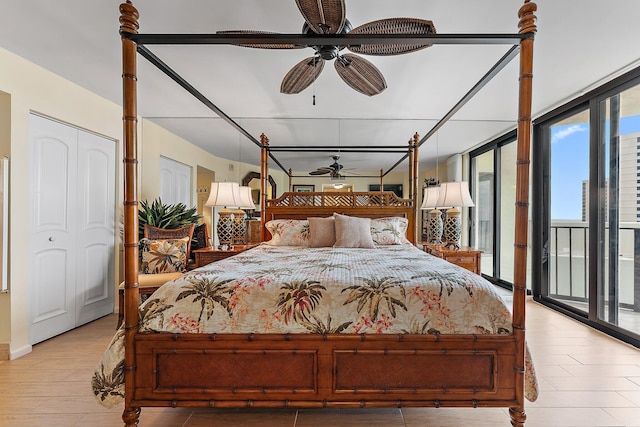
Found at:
[246, 201]
[430, 198]
[224, 194]
[455, 194]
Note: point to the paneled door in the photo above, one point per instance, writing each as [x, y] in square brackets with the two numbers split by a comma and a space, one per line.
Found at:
[72, 227]
[175, 182]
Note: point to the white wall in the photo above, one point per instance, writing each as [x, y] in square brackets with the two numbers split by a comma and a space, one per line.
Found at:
[26, 87]
[32, 88]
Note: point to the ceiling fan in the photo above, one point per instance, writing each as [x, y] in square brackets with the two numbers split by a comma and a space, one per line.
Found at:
[329, 17]
[333, 169]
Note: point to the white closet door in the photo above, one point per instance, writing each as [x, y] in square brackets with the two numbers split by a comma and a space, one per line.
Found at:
[53, 228]
[72, 227]
[175, 182]
[96, 227]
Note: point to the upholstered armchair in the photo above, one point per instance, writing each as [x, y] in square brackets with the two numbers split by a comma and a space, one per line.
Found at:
[164, 256]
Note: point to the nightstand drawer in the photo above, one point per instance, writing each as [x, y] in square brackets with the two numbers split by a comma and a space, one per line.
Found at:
[464, 257]
[459, 260]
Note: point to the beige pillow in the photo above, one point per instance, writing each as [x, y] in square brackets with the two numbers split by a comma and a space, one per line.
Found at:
[353, 232]
[322, 232]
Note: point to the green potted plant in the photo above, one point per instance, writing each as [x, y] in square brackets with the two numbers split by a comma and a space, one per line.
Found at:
[159, 215]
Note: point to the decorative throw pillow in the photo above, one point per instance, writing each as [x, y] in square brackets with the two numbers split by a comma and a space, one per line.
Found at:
[288, 232]
[163, 256]
[389, 231]
[322, 232]
[353, 232]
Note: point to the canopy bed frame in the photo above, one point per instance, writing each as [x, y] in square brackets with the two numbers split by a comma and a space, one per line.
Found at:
[330, 370]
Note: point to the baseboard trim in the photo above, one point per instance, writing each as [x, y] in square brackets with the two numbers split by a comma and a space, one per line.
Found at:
[21, 352]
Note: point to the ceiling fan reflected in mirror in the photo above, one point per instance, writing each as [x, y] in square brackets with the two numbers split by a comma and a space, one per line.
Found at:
[329, 17]
[334, 170]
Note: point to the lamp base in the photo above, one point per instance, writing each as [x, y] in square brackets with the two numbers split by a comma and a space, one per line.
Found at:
[225, 229]
[452, 229]
[239, 227]
[435, 227]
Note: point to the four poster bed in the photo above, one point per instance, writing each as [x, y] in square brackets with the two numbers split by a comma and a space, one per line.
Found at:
[373, 322]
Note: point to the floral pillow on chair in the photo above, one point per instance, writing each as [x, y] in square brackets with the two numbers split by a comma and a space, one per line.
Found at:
[163, 256]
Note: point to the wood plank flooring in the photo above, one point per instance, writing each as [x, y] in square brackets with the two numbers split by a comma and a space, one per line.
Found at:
[586, 379]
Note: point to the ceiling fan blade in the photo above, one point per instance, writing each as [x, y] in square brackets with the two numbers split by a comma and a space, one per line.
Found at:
[319, 172]
[323, 16]
[262, 46]
[392, 26]
[302, 75]
[360, 74]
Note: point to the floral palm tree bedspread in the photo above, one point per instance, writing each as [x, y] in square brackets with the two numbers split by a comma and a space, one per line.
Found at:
[392, 289]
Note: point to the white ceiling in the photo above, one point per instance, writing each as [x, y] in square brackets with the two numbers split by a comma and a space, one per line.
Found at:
[578, 43]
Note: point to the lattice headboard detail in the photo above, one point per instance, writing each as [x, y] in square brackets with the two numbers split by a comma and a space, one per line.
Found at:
[377, 204]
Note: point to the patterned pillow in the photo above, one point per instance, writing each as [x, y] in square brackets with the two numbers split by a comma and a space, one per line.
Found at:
[163, 256]
[389, 231]
[288, 232]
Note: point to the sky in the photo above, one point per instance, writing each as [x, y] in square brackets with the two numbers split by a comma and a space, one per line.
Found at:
[570, 165]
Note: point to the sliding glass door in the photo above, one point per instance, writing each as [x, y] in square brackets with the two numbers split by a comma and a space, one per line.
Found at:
[619, 141]
[588, 208]
[568, 240]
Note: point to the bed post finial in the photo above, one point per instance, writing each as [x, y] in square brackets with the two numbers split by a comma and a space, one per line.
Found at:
[128, 18]
[264, 140]
[527, 17]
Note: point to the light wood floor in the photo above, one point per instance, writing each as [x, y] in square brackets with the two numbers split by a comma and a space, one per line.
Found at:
[586, 379]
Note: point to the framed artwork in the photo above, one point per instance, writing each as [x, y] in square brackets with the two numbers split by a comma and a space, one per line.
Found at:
[306, 188]
[396, 188]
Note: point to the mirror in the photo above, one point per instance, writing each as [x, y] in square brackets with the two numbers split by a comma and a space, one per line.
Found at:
[252, 179]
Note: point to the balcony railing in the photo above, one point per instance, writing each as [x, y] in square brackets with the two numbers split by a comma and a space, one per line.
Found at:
[568, 261]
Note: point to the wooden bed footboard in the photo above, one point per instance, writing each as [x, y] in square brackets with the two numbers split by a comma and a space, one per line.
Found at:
[310, 370]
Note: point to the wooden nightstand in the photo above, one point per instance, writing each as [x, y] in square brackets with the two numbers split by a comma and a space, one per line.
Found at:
[208, 255]
[465, 257]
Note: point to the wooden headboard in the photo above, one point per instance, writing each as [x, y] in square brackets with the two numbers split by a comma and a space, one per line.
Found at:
[376, 204]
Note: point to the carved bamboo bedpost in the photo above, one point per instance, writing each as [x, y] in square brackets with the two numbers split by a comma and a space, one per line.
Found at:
[290, 180]
[264, 173]
[381, 179]
[129, 25]
[416, 193]
[526, 25]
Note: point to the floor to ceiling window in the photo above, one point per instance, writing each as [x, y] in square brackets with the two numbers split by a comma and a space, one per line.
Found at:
[588, 203]
[483, 188]
[568, 174]
[493, 178]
